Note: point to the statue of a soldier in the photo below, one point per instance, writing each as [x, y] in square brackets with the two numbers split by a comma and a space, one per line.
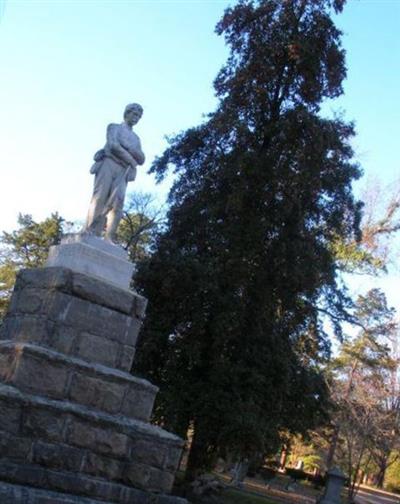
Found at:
[115, 166]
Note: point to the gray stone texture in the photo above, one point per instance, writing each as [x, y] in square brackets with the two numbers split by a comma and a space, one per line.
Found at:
[75, 315]
[334, 486]
[90, 259]
[62, 436]
[52, 374]
[72, 419]
[16, 494]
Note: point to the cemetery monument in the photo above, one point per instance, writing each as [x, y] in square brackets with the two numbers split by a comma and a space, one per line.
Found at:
[74, 422]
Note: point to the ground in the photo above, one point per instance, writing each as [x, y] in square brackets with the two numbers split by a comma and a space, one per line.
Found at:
[372, 496]
[256, 492]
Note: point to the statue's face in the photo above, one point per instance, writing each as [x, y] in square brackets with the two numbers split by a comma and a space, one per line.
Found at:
[132, 116]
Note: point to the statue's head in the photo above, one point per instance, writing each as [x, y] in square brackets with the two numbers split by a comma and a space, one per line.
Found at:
[133, 112]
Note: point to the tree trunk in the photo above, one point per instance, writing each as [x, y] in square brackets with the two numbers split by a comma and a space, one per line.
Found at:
[332, 448]
[198, 456]
[380, 477]
[282, 460]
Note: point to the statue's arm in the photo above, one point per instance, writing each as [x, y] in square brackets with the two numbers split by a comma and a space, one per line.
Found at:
[116, 148]
[137, 153]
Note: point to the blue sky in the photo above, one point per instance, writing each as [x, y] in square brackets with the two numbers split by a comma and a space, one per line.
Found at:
[68, 68]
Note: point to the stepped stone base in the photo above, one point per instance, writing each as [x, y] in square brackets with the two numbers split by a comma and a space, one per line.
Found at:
[73, 422]
[75, 315]
[17, 494]
[41, 371]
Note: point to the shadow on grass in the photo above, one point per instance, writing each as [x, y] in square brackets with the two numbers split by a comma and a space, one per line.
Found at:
[233, 496]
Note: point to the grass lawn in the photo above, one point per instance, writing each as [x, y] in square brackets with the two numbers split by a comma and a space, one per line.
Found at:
[233, 496]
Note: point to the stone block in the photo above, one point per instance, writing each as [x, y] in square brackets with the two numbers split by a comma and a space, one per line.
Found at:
[148, 478]
[102, 440]
[125, 358]
[63, 339]
[25, 328]
[57, 456]
[28, 300]
[102, 293]
[10, 416]
[14, 447]
[7, 365]
[31, 372]
[22, 473]
[140, 305]
[44, 278]
[148, 452]
[96, 393]
[86, 316]
[97, 349]
[133, 329]
[138, 403]
[104, 467]
[82, 286]
[173, 459]
[40, 376]
[77, 483]
[41, 423]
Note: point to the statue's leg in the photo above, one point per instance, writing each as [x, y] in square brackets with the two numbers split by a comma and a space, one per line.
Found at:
[102, 185]
[114, 216]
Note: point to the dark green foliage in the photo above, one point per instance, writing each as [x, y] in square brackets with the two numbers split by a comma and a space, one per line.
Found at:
[296, 474]
[26, 247]
[239, 278]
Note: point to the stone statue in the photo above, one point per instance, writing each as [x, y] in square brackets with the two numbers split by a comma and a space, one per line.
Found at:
[115, 166]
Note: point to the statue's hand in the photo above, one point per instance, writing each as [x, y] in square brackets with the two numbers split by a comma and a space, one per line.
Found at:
[99, 156]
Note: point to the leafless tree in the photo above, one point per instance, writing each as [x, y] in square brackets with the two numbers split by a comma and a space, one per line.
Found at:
[143, 217]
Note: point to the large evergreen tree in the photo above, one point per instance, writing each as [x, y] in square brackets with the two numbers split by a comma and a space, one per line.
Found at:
[246, 265]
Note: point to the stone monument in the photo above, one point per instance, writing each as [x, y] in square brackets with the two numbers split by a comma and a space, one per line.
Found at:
[74, 422]
[334, 486]
[115, 165]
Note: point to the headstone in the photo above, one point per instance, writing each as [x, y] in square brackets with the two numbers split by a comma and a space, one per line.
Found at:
[334, 486]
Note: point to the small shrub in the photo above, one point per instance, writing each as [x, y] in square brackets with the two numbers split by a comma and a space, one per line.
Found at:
[296, 474]
[267, 473]
[318, 480]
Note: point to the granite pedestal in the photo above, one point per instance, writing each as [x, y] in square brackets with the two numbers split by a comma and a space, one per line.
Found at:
[93, 256]
[74, 424]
